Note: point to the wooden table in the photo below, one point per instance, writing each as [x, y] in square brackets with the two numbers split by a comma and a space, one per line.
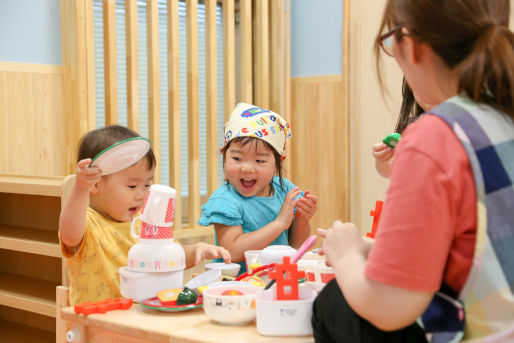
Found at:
[139, 324]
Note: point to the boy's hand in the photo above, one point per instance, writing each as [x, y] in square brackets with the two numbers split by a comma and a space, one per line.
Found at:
[285, 216]
[307, 206]
[87, 176]
[209, 251]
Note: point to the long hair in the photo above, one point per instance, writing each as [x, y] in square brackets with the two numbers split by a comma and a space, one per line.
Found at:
[471, 37]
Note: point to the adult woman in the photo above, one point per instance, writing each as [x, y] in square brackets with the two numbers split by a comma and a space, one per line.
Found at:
[446, 227]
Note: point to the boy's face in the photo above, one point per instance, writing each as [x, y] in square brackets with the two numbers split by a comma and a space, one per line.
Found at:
[121, 195]
[249, 168]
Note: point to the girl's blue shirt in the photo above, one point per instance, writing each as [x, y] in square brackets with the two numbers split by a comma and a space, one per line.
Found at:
[226, 206]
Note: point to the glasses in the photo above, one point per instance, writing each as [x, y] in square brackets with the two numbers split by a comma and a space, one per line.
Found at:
[386, 41]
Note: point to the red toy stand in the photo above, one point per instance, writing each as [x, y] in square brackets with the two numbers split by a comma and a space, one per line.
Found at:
[376, 217]
[286, 276]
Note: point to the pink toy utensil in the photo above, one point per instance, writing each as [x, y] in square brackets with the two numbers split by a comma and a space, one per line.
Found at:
[307, 244]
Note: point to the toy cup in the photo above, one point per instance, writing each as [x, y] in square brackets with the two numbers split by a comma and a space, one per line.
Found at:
[157, 214]
[252, 257]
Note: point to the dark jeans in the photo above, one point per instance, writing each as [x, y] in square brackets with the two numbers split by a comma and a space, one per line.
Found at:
[334, 321]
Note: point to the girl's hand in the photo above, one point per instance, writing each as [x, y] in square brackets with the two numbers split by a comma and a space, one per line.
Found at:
[307, 206]
[209, 251]
[383, 156]
[285, 216]
[340, 241]
[382, 152]
[87, 176]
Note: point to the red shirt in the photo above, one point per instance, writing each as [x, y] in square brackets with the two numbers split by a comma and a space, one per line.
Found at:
[427, 229]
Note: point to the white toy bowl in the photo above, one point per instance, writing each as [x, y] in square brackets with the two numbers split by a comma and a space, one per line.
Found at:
[284, 317]
[230, 309]
[204, 279]
[276, 253]
[156, 256]
[140, 286]
[227, 269]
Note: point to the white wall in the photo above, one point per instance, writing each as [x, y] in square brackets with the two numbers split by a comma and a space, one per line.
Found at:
[30, 31]
[372, 114]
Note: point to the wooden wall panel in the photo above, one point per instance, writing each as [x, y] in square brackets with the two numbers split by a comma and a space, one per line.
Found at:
[32, 119]
[319, 155]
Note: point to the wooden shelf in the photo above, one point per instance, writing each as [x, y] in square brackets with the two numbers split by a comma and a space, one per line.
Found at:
[41, 242]
[17, 333]
[28, 294]
[33, 185]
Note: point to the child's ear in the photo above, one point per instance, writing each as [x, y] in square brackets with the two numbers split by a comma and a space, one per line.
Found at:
[282, 158]
[95, 188]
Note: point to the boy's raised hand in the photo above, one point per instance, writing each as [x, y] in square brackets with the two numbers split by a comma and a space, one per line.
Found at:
[87, 176]
[286, 214]
[307, 206]
[208, 251]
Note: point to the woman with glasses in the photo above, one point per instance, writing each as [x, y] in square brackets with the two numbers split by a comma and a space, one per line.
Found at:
[441, 267]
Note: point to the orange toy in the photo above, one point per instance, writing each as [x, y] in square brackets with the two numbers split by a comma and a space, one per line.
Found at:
[376, 217]
[231, 292]
[87, 308]
[286, 276]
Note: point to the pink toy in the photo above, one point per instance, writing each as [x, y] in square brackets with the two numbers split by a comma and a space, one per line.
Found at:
[376, 217]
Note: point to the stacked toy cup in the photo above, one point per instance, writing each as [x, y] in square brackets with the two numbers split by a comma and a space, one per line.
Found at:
[157, 261]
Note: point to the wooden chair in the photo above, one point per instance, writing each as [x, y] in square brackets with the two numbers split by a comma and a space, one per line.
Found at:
[62, 292]
[61, 326]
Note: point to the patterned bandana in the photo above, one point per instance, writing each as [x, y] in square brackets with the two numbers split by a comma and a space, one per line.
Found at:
[252, 121]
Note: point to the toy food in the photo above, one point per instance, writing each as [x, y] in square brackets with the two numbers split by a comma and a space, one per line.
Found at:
[187, 296]
[392, 139]
[168, 295]
[231, 292]
[254, 280]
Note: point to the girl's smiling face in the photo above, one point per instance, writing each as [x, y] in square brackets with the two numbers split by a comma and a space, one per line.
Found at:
[250, 168]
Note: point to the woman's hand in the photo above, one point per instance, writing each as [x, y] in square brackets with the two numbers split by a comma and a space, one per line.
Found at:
[340, 241]
[209, 251]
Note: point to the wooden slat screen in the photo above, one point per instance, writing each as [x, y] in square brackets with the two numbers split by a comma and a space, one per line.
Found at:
[253, 79]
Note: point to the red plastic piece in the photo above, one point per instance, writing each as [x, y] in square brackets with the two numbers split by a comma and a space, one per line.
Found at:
[87, 308]
[376, 217]
[286, 275]
[254, 271]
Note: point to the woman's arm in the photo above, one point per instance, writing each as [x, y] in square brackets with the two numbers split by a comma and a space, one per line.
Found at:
[387, 307]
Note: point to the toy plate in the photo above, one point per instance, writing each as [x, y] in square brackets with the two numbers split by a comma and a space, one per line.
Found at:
[156, 304]
[121, 155]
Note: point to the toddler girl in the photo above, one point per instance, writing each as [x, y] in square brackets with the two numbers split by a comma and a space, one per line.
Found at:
[257, 207]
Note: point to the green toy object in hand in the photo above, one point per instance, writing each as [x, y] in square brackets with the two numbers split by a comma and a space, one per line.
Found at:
[187, 296]
[392, 139]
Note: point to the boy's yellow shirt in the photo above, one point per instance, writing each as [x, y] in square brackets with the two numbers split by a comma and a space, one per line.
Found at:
[93, 265]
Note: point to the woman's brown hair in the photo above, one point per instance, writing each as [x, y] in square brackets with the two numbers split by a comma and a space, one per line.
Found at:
[471, 36]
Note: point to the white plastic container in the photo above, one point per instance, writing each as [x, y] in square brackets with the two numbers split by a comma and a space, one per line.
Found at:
[276, 253]
[284, 317]
[156, 255]
[230, 309]
[140, 286]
